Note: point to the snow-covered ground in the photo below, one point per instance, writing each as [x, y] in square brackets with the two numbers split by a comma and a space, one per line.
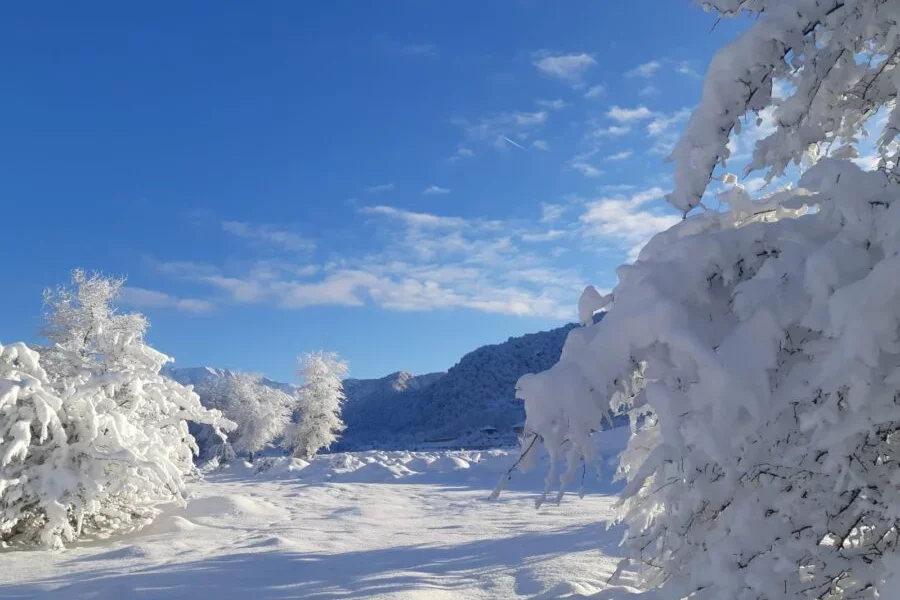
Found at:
[355, 525]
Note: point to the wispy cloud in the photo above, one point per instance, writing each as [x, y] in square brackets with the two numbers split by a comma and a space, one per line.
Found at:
[569, 68]
[435, 190]
[611, 131]
[151, 299]
[546, 236]
[540, 145]
[623, 155]
[377, 189]
[557, 104]
[664, 132]
[595, 91]
[629, 115]
[662, 123]
[648, 90]
[587, 170]
[645, 70]
[430, 262]
[497, 128]
[461, 153]
[684, 68]
[269, 235]
[551, 213]
[411, 218]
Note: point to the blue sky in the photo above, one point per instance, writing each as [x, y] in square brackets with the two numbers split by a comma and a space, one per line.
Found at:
[399, 181]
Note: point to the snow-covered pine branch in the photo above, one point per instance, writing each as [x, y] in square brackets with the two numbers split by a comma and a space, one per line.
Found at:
[758, 350]
[92, 437]
[838, 59]
[319, 404]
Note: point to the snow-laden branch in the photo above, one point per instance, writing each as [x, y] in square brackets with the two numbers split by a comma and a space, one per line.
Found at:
[757, 351]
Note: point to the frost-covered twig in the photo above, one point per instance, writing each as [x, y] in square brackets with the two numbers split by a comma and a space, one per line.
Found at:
[504, 481]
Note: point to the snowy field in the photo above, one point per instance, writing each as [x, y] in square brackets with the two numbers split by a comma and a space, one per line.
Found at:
[355, 525]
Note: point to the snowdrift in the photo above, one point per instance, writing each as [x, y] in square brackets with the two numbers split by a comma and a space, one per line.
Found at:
[385, 466]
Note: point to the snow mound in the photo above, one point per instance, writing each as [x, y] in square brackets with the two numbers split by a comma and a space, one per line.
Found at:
[169, 524]
[233, 505]
[385, 466]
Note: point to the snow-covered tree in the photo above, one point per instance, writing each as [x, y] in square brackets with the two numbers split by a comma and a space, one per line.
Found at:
[32, 452]
[758, 349]
[319, 404]
[86, 333]
[92, 440]
[261, 412]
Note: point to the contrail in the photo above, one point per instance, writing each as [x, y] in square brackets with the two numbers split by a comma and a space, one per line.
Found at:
[514, 144]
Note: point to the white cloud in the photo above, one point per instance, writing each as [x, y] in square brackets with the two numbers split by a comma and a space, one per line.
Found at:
[547, 236]
[270, 235]
[425, 262]
[540, 145]
[611, 131]
[648, 90]
[587, 170]
[626, 220]
[569, 68]
[617, 188]
[241, 290]
[595, 91]
[151, 299]
[662, 129]
[628, 115]
[434, 190]
[662, 123]
[552, 212]
[684, 68]
[646, 70]
[557, 104]
[377, 189]
[529, 119]
[269, 269]
[461, 153]
[413, 218]
[623, 155]
[342, 288]
[663, 145]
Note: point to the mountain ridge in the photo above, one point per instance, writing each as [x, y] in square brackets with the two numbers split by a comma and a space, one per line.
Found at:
[472, 404]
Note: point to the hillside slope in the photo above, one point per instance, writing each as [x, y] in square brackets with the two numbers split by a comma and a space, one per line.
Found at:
[463, 407]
